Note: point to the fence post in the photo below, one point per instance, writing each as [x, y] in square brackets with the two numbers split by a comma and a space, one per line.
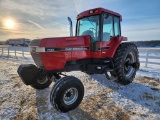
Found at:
[147, 58]
[15, 53]
[2, 52]
[23, 53]
[8, 52]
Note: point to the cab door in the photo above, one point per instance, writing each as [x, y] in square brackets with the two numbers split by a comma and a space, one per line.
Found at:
[110, 33]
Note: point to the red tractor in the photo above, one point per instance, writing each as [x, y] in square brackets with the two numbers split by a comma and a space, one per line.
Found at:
[97, 48]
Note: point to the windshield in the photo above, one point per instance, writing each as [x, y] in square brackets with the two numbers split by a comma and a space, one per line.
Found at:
[89, 26]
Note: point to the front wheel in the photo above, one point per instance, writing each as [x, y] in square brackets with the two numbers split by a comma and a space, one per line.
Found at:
[126, 62]
[67, 94]
[42, 83]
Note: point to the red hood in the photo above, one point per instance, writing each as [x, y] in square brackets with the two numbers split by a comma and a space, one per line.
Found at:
[64, 41]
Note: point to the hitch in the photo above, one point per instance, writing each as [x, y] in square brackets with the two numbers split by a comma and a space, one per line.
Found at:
[109, 76]
[135, 65]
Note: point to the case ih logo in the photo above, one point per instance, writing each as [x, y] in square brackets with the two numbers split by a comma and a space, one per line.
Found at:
[66, 49]
[83, 48]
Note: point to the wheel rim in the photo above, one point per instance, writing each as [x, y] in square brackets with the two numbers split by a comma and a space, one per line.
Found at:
[128, 68]
[42, 81]
[70, 96]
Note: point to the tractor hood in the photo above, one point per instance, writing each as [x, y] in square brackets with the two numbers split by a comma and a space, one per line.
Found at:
[53, 53]
[59, 44]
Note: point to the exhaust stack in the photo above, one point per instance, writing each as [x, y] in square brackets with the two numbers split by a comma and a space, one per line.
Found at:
[71, 28]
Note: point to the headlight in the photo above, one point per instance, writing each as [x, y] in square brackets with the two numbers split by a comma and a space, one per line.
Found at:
[37, 49]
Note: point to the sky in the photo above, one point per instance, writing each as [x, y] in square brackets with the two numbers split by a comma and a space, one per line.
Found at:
[48, 18]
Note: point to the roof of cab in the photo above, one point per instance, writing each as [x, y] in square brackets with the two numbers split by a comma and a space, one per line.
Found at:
[98, 11]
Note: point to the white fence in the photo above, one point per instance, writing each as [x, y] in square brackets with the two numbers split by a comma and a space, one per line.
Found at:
[147, 56]
[16, 52]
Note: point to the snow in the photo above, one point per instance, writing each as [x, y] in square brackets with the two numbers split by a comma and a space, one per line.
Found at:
[103, 99]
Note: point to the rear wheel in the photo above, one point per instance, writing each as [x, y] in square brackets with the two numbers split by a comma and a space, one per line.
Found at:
[126, 62]
[67, 94]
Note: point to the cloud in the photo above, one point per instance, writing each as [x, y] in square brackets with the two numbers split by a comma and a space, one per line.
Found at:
[141, 31]
[141, 17]
[48, 18]
[36, 24]
[36, 17]
[142, 35]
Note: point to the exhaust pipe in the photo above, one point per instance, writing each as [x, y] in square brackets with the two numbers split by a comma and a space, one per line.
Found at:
[71, 28]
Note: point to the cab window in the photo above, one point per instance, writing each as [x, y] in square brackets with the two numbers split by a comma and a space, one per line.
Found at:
[107, 27]
[89, 26]
[111, 27]
[116, 26]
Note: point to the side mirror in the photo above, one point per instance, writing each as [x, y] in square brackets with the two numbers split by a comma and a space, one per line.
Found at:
[105, 16]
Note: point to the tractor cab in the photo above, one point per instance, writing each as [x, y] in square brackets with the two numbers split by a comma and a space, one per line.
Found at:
[101, 25]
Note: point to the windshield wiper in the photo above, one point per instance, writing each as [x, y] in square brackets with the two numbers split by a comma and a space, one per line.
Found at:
[91, 22]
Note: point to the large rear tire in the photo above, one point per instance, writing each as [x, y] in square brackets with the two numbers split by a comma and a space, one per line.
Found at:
[126, 62]
[67, 94]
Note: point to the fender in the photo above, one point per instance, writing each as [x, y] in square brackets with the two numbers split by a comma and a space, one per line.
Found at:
[113, 45]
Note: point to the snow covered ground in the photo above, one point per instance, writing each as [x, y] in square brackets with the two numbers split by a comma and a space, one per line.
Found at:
[103, 99]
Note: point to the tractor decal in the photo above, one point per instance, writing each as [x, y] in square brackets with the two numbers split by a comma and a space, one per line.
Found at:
[66, 49]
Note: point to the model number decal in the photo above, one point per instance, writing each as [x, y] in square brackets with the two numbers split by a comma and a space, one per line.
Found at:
[68, 49]
[49, 49]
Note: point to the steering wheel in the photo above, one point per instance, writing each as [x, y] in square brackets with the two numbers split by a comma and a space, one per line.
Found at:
[92, 28]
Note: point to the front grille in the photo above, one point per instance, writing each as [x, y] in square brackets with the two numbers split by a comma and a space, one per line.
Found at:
[37, 59]
[35, 42]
